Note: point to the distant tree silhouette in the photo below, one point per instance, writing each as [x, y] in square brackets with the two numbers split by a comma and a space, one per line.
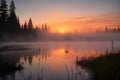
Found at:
[13, 21]
[3, 15]
[18, 22]
[44, 27]
[25, 26]
[118, 28]
[114, 29]
[37, 29]
[30, 25]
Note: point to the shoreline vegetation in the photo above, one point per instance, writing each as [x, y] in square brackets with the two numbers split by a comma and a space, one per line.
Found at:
[103, 67]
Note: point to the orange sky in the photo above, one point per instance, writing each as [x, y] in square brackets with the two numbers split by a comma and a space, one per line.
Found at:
[61, 24]
[65, 16]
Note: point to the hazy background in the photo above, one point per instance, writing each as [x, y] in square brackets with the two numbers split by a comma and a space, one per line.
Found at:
[70, 15]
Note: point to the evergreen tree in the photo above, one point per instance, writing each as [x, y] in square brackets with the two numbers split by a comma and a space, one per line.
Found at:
[42, 27]
[46, 27]
[13, 21]
[12, 8]
[3, 15]
[25, 26]
[18, 22]
[30, 25]
[3, 11]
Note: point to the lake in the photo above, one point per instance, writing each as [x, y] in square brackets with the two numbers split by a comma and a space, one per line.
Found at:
[49, 60]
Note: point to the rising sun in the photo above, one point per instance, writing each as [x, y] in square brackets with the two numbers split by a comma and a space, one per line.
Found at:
[62, 31]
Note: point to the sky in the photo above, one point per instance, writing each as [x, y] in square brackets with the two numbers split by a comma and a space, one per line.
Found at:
[70, 15]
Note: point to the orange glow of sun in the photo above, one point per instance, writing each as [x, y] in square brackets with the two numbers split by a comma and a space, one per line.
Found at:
[62, 31]
[62, 28]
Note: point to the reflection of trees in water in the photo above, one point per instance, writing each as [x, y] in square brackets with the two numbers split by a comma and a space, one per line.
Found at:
[41, 54]
[9, 65]
[19, 59]
[12, 62]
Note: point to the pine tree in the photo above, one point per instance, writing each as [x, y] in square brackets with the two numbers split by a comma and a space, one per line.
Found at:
[30, 25]
[42, 27]
[18, 22]
[3, 11]
[25, 26]
[13, 21]
[12, 8]
[46, 27]
[3, 15]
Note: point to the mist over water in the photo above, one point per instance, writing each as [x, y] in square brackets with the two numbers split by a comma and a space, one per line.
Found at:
[65, 37]
[50, 59]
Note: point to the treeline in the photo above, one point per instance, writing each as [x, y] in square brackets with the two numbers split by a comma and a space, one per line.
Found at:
[115, 29]
[10, 27]
[110, 29]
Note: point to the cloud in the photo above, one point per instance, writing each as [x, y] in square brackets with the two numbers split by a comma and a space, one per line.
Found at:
[105, 19]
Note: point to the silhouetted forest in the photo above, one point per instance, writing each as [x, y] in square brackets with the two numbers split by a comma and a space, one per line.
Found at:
[115, 29]
[107, 29]
[10, 28]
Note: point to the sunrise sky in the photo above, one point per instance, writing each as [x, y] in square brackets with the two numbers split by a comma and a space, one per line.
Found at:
[70, 15]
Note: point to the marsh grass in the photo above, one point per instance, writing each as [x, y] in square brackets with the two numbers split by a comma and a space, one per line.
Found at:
[103, 67]
[71, 74]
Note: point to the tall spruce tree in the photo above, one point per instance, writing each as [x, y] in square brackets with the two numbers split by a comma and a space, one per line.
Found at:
[3, 15]
[25, 26]
[30, 25]
[13, 21]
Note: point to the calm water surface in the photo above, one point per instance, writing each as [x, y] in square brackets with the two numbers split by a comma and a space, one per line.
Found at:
[51, 60]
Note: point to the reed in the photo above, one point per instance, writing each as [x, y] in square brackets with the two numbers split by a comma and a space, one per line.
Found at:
[103, 67]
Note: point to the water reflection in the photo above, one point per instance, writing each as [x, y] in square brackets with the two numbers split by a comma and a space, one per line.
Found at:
[48, 61]
[9, 64]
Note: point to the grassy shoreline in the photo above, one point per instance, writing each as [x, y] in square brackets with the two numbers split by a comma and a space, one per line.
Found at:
[104, 67]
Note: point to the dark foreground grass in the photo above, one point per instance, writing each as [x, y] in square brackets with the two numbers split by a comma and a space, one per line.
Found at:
[9, 68]
[104, 67]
